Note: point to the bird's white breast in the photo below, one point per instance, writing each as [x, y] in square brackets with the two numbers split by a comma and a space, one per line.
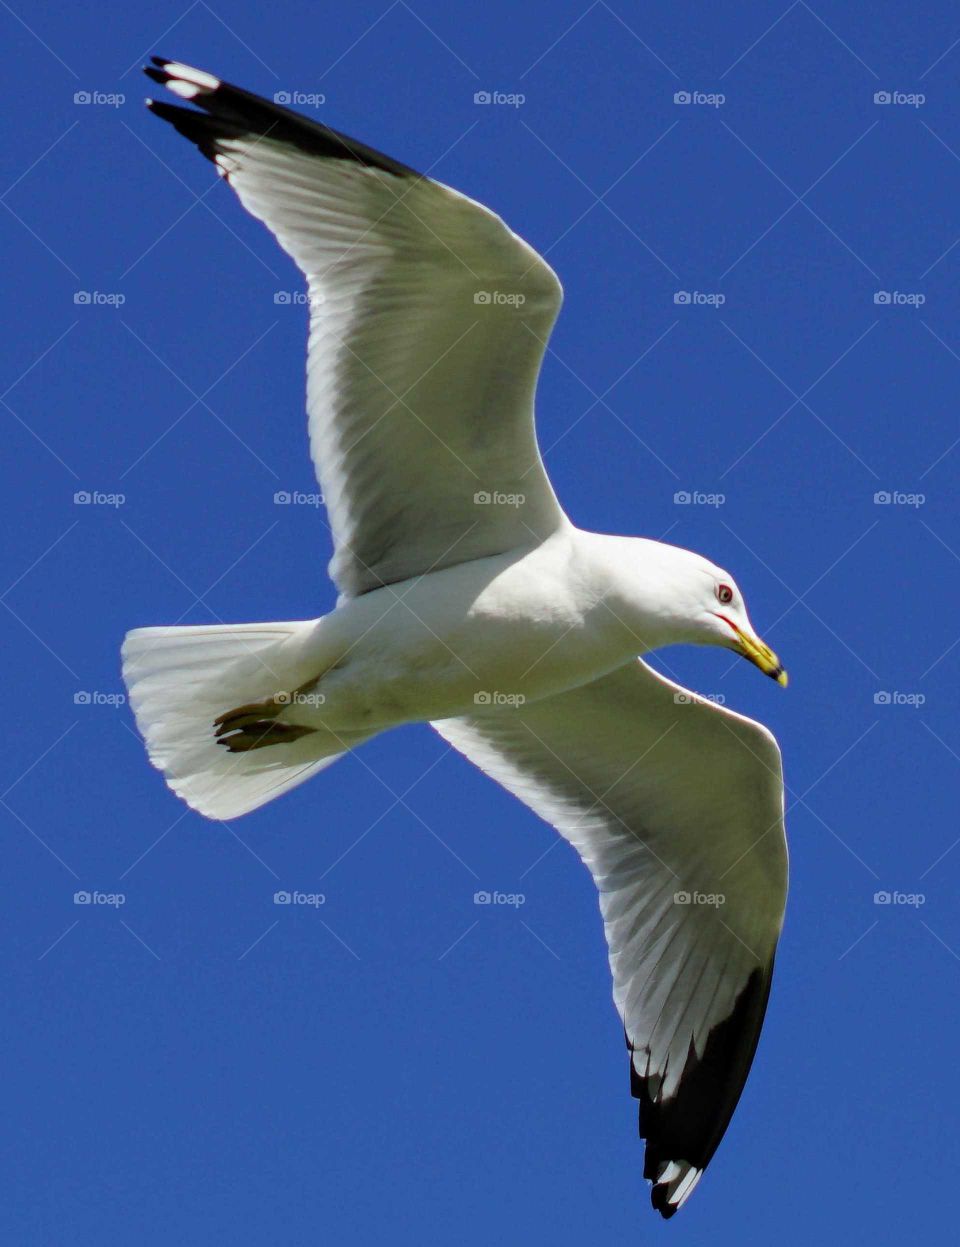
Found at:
[493, 632]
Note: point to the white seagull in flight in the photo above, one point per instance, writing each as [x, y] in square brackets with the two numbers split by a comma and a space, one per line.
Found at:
[469, 600]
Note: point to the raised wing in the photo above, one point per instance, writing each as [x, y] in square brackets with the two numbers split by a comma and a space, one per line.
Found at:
[676, 807]
[428, 323]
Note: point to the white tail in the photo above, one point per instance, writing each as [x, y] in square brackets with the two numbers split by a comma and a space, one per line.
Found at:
[180, 679]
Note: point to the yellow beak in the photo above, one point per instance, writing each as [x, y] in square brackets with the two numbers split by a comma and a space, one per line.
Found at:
[761, 655]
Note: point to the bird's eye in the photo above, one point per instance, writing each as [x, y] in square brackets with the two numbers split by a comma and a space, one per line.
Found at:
[724, 594]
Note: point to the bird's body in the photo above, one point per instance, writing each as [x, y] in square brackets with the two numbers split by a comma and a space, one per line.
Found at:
[498, 631]
[470, 601]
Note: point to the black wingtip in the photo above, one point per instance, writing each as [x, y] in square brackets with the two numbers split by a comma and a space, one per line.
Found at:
[229, 112]
[691, 1123]
[658, 1198]
[169, 112]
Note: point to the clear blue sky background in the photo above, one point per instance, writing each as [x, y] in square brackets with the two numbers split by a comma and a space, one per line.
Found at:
[201, 1066]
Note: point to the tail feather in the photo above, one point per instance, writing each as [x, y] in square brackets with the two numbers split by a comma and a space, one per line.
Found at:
[179, 680]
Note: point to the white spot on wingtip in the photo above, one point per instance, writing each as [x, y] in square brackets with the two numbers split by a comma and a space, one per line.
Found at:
[686, 1186]
[197, 77]
[682, 1177]
[186, 90]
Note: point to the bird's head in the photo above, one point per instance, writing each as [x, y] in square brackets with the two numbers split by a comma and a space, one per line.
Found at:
[724, 621]
[693, 600]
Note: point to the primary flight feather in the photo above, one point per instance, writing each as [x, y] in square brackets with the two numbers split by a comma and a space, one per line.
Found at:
[469, 600]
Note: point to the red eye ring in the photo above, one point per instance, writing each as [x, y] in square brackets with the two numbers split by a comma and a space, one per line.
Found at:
[724, 594]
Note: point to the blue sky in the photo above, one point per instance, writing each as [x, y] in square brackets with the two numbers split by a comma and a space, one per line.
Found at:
[196, 1064]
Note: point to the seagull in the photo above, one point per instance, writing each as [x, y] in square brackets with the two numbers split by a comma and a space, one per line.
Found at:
[468, 599]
